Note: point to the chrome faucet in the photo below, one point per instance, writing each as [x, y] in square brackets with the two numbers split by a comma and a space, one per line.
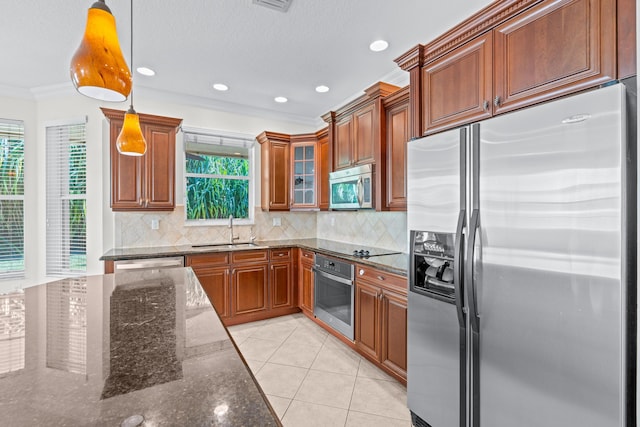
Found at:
[231, 236]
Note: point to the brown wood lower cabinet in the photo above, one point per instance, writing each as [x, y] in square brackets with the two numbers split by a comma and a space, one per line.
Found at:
[249, 289]
[215, 282]
[244, 286]
[305, 281]
[282, 288]
[381, 319]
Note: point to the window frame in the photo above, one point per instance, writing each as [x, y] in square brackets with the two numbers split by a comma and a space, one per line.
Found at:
[209, 136]
[17, 273]
[58, 262]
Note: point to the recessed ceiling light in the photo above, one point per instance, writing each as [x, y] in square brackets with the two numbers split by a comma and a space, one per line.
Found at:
[378, 45]
[280, 99]
[146, 71]
[322, 89]
[221, 87]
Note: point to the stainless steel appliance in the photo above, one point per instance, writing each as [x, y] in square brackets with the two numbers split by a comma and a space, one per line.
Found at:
[147, 264]
[523, 265]
[351, 188]
[333, 293]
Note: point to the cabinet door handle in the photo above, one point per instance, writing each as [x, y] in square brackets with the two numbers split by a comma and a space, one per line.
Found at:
[380, 296]
[141, 202]
[496, 101]
[485, 105]
[381, 278]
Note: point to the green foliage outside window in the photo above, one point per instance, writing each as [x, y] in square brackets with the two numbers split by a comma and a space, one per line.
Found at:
[11, 204]
[217, 186]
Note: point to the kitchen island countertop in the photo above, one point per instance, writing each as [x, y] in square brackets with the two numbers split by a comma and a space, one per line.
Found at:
[95, 350]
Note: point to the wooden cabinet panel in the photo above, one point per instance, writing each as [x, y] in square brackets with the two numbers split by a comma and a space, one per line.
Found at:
[342, 152]
[146, 182]
[367, 319]
[127, 175]
[238, 257]
[393, 353]
[555, 48]
[381, 319]
[249, 289]
[457, 88]
[397, 127]
[208, 260]
[279, 181]
[364, 135]
[306, 281]
[275, 175]
[281, 282]
[215, 282]
[627, 65]
[161, 163]
[304, 171]
[324, 167]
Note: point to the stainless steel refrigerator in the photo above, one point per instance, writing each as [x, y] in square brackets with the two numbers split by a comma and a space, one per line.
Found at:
[522, 274]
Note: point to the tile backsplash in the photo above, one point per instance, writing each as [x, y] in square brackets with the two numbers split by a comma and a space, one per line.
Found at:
[367, 228]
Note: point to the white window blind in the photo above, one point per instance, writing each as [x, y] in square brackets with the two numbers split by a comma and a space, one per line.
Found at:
[12, 332]
[218, 176]
[11, 199]
[67, 326]
[66, 200]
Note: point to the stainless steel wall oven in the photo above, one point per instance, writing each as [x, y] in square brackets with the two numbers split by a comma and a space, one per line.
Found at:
[333, 302]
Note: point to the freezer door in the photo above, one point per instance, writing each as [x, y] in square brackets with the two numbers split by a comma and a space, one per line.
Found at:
[434, 181]
[547, 264]
[433, 372]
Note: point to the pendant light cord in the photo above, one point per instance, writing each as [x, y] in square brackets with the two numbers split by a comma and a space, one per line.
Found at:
[132, 69]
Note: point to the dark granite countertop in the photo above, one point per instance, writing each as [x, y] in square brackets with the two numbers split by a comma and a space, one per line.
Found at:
[95, 350]
[398, 263]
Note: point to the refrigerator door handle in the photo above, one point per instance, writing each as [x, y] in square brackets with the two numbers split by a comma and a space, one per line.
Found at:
[473, 304]
[458, 270]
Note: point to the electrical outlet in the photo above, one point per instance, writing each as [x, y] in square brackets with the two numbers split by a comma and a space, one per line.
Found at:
[277, 222]
[155, 224]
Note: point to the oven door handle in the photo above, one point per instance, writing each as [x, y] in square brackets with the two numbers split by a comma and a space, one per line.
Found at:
[332, 277]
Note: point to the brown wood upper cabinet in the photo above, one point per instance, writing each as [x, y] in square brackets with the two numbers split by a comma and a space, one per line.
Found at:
[144, 183]
[396, 108]
[295, 170]
[516, 53]
[457, 88]
[274, 164]
[555, 48]
[356, 131]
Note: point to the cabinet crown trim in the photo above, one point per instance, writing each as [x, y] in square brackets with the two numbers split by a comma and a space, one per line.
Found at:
[376, 91]
[111, 114]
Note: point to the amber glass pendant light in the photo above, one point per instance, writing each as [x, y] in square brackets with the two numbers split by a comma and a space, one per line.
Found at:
[98, 69]
[131, 142]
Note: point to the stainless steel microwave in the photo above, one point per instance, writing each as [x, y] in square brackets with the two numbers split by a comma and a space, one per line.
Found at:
[351, 188]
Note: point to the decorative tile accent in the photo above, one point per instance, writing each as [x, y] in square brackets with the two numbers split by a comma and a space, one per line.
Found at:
[367, 228]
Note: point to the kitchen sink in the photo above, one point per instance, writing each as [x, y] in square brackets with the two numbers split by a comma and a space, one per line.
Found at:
[239, 245]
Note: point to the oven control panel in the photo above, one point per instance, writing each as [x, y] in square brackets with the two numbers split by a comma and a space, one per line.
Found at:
[334, 266]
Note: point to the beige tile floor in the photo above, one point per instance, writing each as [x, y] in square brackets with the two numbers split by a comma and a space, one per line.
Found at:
[313, 379]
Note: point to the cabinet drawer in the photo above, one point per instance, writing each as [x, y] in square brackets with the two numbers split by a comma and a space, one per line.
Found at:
[382, 278]
[280, 254]
[249, 256]
[209, 259]
[307, 255]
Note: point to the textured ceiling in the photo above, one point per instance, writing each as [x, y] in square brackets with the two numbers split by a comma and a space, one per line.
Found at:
[258, 52]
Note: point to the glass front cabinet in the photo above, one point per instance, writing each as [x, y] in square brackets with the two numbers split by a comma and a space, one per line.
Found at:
[303, 167]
